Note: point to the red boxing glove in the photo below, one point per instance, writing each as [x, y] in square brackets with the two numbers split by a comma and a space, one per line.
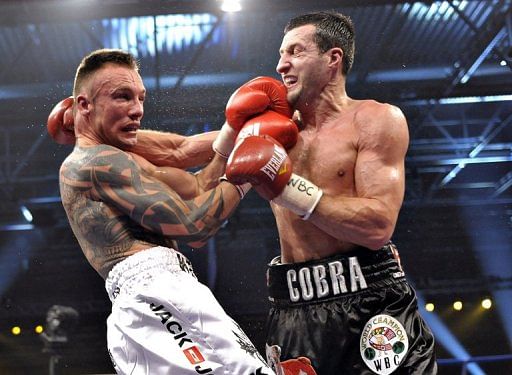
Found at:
[263, 163]
[283, 129]
[254, 97]
[60, 122]
[298, 366]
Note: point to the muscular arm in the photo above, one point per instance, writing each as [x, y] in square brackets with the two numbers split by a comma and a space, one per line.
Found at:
[369, 218]
[186, 184]
[174, 150]
[113, 177]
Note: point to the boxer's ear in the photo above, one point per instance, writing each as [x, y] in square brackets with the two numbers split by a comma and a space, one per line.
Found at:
[335, 57]
[82, 105]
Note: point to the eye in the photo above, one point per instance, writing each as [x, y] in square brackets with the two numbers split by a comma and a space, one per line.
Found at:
[122, 96]
[297, 51]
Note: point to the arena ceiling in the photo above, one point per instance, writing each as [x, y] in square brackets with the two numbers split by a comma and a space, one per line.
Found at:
[446, 64]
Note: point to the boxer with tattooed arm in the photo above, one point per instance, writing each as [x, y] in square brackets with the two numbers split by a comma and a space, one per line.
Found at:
[128, 215]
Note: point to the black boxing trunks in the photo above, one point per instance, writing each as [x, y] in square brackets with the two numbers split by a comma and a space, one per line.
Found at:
[352, 313]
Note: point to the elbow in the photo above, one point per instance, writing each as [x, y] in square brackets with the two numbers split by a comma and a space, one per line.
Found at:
[379, 235]
[201, 238]
[377, 243]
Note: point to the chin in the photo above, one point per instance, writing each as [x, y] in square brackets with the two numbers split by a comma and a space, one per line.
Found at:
[126, 143]
[131, 142]
[292, 99]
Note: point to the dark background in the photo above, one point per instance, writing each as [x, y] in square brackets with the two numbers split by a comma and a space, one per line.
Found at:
[446, 64]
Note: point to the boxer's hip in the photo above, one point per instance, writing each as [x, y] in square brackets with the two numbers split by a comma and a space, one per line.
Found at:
[139, 269]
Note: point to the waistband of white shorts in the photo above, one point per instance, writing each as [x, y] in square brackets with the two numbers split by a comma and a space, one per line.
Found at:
[138, 269]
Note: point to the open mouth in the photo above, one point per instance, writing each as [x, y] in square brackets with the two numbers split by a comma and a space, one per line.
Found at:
[130, 128]
[289, 81]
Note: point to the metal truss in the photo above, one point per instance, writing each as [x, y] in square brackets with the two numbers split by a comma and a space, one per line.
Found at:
[445, 155]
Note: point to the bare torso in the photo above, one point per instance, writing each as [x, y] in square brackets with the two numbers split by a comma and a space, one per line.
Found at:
[325, 155]
[105, 235]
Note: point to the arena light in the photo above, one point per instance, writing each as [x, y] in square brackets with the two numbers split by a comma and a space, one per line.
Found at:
[446, 338]
[453, 100]
[231, 6]
[476, 99]
[38, 329]
[429, 11]
[430, 307]
[150, 36]
[457, 305]
[486, 303]
[16, 330]
[26, 213]
[16, 227]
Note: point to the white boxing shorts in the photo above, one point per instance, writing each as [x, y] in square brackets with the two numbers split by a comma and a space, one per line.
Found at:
[164, 321]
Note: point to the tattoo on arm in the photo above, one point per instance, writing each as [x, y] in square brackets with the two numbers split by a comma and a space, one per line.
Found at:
[115, 179]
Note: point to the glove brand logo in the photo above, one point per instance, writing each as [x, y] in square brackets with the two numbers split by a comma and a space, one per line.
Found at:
[308, 281]
[192, 352]
[384, 344]
[273, 166]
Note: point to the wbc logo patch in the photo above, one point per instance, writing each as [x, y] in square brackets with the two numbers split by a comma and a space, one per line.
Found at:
[384, 344]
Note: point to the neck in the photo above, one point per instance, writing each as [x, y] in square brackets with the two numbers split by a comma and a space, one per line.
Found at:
[331, 101]
[84, 134]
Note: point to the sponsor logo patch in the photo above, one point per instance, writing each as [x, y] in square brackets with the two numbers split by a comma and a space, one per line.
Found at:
[193, 355]
[180, 336]
[384, 344]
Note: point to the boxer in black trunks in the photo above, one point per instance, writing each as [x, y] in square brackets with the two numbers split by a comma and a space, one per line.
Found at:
[337, 291]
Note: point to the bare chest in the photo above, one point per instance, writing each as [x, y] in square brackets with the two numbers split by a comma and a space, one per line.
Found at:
[327, 158]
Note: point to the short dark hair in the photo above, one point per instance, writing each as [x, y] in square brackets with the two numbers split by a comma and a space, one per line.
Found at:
[333, 29]
[97, 59]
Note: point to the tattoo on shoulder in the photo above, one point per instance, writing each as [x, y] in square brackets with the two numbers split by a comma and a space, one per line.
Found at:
[112, 202]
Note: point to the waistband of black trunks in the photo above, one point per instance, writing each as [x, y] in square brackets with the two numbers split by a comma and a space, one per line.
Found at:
[340, 275]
